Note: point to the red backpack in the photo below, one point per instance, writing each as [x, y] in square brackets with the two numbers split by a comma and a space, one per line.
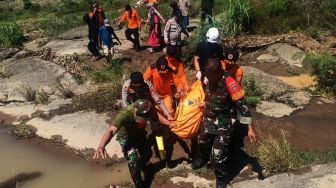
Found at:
[234, 88]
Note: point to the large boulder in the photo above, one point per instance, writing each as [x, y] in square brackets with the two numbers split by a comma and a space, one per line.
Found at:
[23, 77]
[68, 47]
[292, 55]
[80, 130]
[271, 86]
[74, 33]
[268, 58]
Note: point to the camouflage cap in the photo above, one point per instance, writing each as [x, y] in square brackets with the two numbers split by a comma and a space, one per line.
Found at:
[142, 109]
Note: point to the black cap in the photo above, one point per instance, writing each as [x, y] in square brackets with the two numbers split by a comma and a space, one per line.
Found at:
[127, 7]
[136, 78]
[231, 54]
[162, 63]
[177, 13]
[171, 50]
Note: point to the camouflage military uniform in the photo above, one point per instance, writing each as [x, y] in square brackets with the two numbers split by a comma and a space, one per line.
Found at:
[133, 141]
[215, 137]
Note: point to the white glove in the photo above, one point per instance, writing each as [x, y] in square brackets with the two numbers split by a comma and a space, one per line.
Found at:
[199, 75]
[205, 81]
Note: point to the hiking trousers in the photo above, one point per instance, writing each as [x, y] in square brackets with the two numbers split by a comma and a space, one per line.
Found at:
[216, 137]
[92, 47]
[137, 154]
[135, 39]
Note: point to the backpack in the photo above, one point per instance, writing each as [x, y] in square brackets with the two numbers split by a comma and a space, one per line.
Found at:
[233, 87]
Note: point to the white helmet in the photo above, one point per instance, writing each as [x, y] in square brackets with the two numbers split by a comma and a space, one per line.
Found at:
[212, 35]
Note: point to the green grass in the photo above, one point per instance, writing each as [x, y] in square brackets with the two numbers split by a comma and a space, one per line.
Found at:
[111, 73]
[253, 92]
[324, 68]
[278, 155]
[10, 35]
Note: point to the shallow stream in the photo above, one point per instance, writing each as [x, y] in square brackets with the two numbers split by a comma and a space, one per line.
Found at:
[25, 165]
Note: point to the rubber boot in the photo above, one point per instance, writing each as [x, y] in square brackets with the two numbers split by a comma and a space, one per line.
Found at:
[220, 183]
[202, 156]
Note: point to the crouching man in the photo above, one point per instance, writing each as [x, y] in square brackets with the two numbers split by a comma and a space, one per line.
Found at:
[130, 124]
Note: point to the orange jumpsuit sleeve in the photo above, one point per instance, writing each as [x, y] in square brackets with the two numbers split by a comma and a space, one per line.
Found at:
[148, 74]
[138, 19]
[182, 76]
[239, 74]
[123, 17]
[178, 83]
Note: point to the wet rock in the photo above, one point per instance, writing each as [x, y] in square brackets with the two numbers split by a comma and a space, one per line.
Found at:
[270, 85]
[274, 109]
[268, 58]
[292, 55]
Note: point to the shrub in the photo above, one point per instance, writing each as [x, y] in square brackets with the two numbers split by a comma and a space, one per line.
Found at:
[41, 97]
[253, 91]
[10, 35]
[102, 100]
[28, 93]
[23, 131]
[277, 7]
[28, 5]
[236, 18]
[67, 6]
[277, 155]
[57, 24]
[324, 68]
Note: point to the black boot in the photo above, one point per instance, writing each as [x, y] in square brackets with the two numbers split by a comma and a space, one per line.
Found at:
[198, 163]
[220, 183]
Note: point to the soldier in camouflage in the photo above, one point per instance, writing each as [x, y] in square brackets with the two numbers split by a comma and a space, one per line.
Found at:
[130, 125]
[220, 110]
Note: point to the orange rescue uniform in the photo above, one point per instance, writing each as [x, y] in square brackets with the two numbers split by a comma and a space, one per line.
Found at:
[234, 69]
[134, 20]
[162, 85]
[177, 67]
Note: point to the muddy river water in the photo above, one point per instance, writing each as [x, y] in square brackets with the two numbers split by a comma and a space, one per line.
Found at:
[36, 168]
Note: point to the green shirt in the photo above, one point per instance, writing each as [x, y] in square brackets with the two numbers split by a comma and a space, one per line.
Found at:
[127, 127]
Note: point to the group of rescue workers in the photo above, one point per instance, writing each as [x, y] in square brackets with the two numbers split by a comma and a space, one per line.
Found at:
[151, 99]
